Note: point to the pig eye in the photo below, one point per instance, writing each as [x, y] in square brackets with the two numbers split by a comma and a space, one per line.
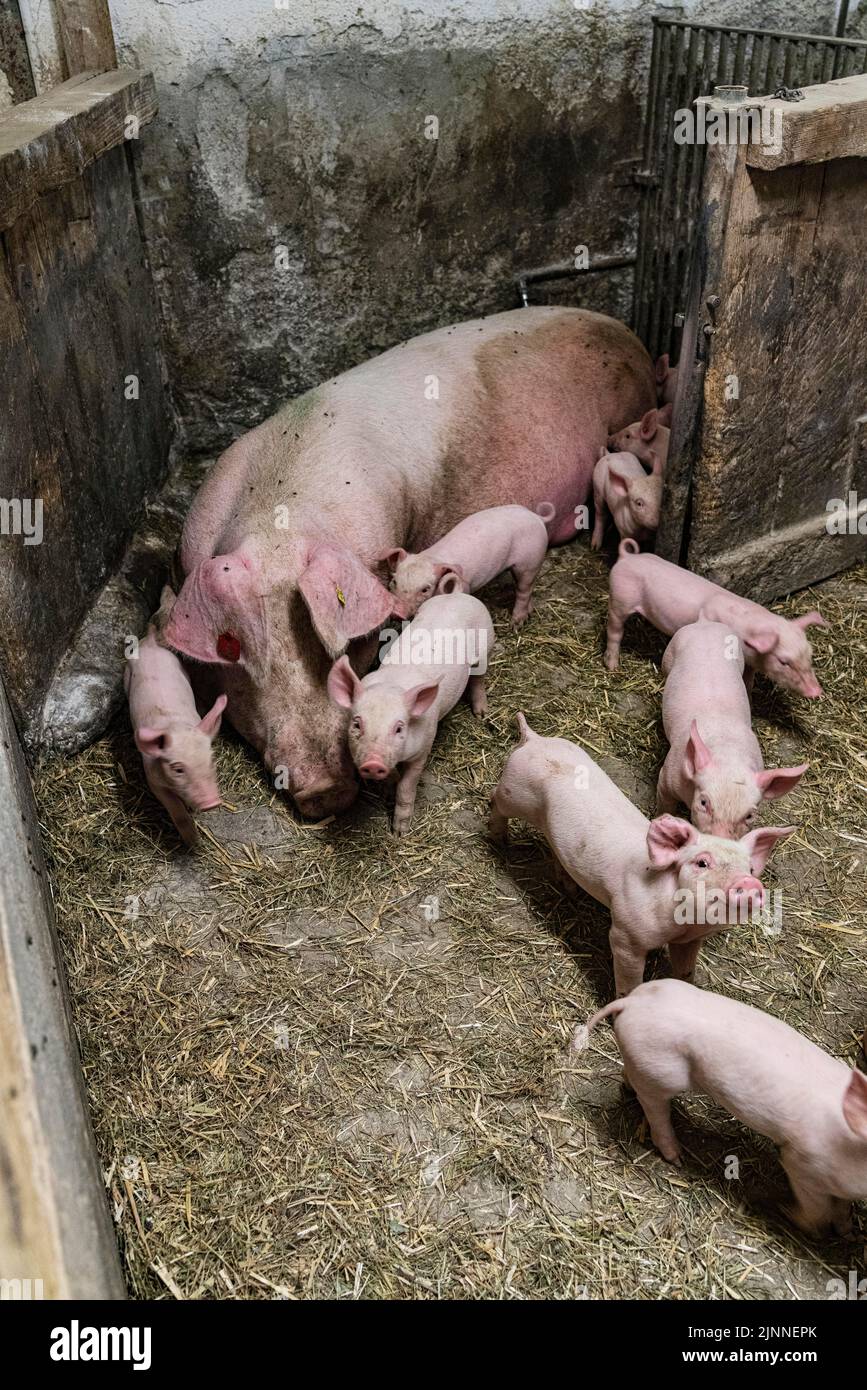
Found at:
[425, 589]
[399, 727]
[783, 662]
[703, 862]
[704, 803]
[639, 502]
[356, 726]
[177, 769]
[750, 816]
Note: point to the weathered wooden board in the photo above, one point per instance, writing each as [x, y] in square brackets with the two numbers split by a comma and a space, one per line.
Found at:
[56, 1238]
[786, 382]
[51, 140]
[78, 322]
[86, 35]
[829, 123]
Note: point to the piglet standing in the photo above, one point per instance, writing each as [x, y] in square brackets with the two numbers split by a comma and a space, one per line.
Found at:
[675, 1038]
[175, 744]
[648, 438]
[669, 597]
[632, 496]
[653, 876]
[395, 710]
[472, 554]
[714, 764]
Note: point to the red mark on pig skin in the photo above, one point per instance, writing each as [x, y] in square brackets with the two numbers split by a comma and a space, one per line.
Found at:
[228, 647]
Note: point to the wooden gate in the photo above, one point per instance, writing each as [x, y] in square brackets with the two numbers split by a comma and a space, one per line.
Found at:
[767, 471]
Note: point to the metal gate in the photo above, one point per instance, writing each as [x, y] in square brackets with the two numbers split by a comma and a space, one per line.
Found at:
[687, 61]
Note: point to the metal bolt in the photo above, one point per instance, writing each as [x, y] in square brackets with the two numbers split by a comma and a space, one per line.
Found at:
[713, 301]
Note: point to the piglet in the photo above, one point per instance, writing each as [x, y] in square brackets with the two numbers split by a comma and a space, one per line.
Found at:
[670, 597]
[653, 876]
[174, 742]
[714, 764]
[395, 710]
[674, 1038]
[666, 380]
[632, 496]
[648, 438]
[472, 554]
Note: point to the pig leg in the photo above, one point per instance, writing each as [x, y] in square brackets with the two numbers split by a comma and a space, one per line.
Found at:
[814, 1209]
[656, 1104]
[616, 624]
[666, 799]
[683, 956]
[498, 823]
[404, 803]
[476, 695]
[183, 821]
[629, 960]
[749, 677]
[598, 518]
[524, 580]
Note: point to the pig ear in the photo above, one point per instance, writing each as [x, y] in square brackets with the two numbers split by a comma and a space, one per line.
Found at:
[620, 484]
[776, 781]
[662, 368]
[649, 424]
[697, 756]
[665, 414]
[451, 582]
[761, 843]
[343, 598]
[343, 684]
[219, 615]
[761, 639]
[666, 837]
[151, 742]
[813, 619]
[441, 570]
[420, 698]
[392, 558]
[855, 1104]
[210, 725]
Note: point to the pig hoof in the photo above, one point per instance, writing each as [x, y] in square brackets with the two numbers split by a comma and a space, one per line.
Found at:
[612, 660]
[672, 1153]
[480, 708]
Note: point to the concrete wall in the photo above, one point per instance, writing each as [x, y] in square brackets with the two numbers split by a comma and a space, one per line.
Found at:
[298, 218]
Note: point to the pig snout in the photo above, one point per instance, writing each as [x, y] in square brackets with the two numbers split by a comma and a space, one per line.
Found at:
[374, 768]
[206, 798]
[747, 890]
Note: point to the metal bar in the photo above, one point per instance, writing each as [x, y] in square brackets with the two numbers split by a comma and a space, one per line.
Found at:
[775, 33]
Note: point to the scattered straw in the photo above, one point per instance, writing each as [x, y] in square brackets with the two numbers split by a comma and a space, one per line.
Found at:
[322, 1062]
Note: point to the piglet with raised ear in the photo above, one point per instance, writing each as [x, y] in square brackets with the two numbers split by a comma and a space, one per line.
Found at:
[632, 496]
[395, 710]
[473, 553]
[674, 1038]
[648, 438]
[670, 597]
[714, 765]
[657, 878]
[175, 743]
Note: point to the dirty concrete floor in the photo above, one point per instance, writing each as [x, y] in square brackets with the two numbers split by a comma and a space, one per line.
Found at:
[324, 1063]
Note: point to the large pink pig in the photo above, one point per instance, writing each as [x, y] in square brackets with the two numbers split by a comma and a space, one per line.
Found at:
[279, 542]
[670, 597]
[714, 764]
[641, 870]
[674, 1038]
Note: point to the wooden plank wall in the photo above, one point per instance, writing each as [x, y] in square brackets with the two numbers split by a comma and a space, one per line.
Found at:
[85, 424]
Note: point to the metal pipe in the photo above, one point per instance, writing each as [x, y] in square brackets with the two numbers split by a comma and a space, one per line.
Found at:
[562, 270]
[734, 29]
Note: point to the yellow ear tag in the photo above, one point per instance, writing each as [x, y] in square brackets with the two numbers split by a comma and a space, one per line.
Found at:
[340, 598]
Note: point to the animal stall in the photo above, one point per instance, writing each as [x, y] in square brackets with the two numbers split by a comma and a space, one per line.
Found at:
[252, 1043]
